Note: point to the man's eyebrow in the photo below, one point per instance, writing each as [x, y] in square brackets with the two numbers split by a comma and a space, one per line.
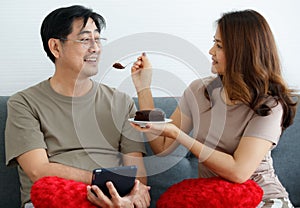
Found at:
[88, 32]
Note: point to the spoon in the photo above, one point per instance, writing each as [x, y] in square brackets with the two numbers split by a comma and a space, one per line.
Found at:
[120, 66]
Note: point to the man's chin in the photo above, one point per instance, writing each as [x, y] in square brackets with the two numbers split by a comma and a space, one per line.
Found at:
[90, 72]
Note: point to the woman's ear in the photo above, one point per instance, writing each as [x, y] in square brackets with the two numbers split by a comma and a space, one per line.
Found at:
[54, 46]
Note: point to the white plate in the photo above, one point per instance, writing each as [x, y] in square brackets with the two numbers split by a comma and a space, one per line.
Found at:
[143, 123]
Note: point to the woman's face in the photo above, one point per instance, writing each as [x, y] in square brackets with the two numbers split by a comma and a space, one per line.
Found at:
[218, 56]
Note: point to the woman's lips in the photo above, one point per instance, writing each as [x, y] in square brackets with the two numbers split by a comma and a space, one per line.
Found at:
[214, 62]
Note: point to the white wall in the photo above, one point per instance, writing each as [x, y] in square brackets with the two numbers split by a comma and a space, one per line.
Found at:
[173, 32]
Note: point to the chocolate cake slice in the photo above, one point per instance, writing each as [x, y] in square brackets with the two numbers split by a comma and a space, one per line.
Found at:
[150, 115]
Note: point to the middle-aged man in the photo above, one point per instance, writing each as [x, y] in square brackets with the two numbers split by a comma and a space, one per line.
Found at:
[68, 125]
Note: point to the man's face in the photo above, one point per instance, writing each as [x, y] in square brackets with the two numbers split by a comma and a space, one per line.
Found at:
[80, 53]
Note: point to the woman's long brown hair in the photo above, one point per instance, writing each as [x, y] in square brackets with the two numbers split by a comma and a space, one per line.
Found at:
[253, 69]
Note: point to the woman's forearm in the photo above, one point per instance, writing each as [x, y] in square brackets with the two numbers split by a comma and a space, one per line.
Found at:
[145, 99]
[221, 163]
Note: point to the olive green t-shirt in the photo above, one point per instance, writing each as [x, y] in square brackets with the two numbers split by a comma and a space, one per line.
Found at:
[85, 132]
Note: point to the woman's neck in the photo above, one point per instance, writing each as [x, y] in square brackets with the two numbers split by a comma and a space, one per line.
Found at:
[227, 99]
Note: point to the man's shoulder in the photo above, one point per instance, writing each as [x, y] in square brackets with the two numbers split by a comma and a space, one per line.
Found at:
[32, 91]
[104, 87]
[111, 91]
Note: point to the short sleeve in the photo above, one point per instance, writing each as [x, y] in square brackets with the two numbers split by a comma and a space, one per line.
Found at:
[22, 131]
[184, 102]
[266, 127]
[193, 100]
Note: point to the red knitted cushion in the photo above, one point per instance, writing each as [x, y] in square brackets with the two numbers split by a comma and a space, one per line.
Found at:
[58, 192]
[211, 192]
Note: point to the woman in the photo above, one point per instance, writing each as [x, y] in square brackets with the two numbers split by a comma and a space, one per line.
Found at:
[238, 116]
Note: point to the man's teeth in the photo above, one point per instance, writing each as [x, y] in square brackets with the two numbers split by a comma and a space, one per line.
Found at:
[91, 59]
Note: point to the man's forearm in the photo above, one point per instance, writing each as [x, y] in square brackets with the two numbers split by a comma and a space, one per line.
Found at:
[63, 171]
[72, 173]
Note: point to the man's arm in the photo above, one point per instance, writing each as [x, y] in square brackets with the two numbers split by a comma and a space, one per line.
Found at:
[36, 165]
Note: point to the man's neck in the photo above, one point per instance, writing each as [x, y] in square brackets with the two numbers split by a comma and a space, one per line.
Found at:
[71, 88]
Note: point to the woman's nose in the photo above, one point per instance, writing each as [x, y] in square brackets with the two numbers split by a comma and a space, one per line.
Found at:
[211, 51]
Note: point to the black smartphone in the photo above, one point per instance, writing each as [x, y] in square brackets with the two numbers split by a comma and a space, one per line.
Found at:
[122, 177]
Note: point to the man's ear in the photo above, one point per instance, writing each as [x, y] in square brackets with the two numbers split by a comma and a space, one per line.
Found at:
[54, 46]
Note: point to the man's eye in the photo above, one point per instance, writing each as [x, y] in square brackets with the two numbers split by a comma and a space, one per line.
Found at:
[98, 40]
[85, 40]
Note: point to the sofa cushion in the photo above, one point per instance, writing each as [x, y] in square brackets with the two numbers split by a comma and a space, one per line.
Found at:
[165, 171]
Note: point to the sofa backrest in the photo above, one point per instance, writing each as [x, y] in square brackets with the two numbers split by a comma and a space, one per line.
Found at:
[286, 158]
[9, 180]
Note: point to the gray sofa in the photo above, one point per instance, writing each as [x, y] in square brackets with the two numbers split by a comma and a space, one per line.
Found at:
[165, 171]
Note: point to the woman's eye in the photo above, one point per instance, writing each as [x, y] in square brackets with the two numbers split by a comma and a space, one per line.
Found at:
[216, 44]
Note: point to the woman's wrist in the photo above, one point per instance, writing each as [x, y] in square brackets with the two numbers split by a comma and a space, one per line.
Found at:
[175, 132]
[144, 93]
[143, 90]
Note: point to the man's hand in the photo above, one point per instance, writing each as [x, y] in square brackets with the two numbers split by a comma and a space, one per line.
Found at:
[101, 200]
[140, 195]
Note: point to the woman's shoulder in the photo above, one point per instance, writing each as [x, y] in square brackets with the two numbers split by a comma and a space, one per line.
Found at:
[273, 103]
[202, 83]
